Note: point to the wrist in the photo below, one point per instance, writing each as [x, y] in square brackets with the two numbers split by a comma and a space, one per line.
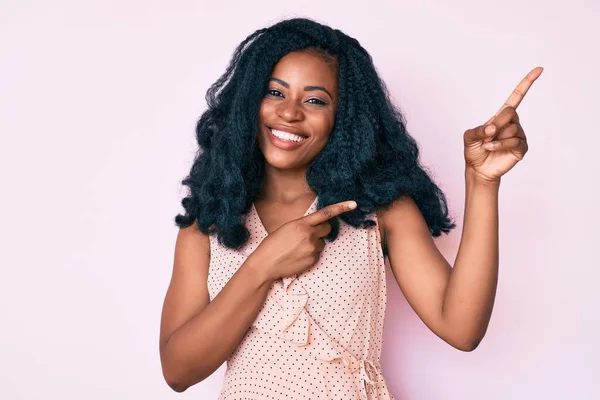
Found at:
[259, 270]
[474, 179]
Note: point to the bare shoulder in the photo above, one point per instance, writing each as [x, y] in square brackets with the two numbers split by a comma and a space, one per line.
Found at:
[403, 213]
[191, 242]
[187, 293]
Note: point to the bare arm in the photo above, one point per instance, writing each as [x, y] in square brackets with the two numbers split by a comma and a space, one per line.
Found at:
[455, 303]
[196, 335]
[471, 291]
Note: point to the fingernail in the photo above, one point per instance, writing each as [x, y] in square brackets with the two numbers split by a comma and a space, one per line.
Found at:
[352, 205]
[489, 146]
[490, 129]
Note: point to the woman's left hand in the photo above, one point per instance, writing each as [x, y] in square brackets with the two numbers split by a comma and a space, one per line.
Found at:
[492, 149]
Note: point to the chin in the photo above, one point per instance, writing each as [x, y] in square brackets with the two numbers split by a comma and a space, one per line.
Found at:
[276, 157]
[281, 161]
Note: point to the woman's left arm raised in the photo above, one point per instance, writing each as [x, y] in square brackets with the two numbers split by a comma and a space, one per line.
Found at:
[456, 303]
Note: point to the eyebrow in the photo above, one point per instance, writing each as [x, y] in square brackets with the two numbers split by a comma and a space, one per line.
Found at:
[306, 88]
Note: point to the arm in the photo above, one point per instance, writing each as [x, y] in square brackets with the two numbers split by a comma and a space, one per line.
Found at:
[196, 335]
[455, 303]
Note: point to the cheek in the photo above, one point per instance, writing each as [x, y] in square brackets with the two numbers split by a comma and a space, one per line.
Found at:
[325, 125]
[265, 109]
[263, 113]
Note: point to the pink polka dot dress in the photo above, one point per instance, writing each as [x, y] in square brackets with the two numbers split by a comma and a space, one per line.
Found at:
[319, 334]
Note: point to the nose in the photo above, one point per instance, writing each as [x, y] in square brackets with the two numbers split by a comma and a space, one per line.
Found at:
[289, 111]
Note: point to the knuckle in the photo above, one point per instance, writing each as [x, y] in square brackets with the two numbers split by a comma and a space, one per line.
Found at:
[326, 212]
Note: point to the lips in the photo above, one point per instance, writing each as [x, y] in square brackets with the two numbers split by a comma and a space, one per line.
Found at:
[282, 143]
[288, 129]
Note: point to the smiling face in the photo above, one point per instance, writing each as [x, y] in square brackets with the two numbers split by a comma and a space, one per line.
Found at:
[297, 114]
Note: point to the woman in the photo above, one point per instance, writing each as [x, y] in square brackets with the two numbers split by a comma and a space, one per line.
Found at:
[305, 180]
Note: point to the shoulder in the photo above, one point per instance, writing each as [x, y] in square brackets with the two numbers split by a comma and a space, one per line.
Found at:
[403, 213]
[192, 241]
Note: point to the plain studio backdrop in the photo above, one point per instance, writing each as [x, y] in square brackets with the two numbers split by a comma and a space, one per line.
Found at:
[98, 105]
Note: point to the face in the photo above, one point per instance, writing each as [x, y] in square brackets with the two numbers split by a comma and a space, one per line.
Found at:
[297, 113]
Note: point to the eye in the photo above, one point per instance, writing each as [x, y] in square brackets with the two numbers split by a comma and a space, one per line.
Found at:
[274, 92]
[317, 102]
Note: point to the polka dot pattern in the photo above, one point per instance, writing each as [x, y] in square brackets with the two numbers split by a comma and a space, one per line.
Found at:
[319, 334]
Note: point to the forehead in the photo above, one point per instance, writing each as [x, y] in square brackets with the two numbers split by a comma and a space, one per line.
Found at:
[307, 67]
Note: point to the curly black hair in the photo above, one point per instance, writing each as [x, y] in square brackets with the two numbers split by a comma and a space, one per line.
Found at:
[369, 157]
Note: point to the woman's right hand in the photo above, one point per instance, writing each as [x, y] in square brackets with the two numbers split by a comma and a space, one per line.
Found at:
[297, 245]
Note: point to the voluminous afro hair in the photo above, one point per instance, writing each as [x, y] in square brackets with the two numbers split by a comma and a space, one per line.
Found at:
[369, 158]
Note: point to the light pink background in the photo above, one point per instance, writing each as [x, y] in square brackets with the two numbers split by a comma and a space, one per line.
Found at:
[98, 102]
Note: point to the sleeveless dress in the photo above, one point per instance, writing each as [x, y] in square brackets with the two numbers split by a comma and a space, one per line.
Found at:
[319, 334]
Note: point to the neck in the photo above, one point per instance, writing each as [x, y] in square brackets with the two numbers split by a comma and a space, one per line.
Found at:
[285, 186]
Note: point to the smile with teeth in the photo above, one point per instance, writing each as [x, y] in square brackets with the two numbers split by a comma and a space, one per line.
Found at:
[290, 137]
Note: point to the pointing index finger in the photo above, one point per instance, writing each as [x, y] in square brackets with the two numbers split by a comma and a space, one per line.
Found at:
[331, 211]
[520, 91]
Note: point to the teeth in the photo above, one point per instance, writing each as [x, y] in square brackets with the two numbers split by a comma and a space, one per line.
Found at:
[287, 136]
